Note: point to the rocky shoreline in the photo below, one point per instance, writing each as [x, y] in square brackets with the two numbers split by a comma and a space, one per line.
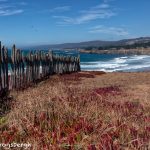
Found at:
[143, 51]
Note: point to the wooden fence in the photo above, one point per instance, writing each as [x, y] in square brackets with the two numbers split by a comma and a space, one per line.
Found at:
[19, 70]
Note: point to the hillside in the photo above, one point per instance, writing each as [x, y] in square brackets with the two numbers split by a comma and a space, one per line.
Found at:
[96, 44]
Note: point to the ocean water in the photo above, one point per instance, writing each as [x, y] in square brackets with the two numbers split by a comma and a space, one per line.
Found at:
[56, 52]
[109, 62]
[115, 63]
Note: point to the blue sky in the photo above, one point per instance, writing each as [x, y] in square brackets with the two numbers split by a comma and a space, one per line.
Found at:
[36, 22]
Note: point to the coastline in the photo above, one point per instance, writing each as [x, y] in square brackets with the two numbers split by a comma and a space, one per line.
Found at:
[139, 51]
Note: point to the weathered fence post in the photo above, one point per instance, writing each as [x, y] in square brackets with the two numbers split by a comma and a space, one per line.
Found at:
[3, 68]
[13, 66]
[27, 69]
[6, 68]
[0, 67]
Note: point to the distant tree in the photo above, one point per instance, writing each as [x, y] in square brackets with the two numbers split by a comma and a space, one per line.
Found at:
[117, 47]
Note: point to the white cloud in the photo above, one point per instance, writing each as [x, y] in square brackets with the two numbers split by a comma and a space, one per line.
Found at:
[118, 31]
[10, 12]
[10, 9]
[4, 7]
[98, 12]
[103, 6]
[60, 9]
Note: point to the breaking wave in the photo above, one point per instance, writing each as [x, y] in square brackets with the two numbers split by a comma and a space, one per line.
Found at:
[125, 64]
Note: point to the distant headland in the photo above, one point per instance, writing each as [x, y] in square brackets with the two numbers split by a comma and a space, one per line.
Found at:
[126, 46]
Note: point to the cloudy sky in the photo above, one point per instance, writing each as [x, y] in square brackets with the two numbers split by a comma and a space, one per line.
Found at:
[36, 22]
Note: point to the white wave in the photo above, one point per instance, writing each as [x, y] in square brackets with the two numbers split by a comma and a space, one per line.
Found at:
[102, 65]
[136, 57]
[126, 63]
[134, 67]
[124, 57]
[120, 60]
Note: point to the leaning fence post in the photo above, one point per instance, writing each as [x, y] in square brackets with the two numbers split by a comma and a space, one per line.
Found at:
[0, 68]
[14, 66]
[6, 68]
[79, 69]
[3, 68]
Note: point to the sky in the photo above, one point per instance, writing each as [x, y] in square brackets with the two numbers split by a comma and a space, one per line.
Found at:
[37, 22]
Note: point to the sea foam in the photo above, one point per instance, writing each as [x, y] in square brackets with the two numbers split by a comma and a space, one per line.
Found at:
[125, 63]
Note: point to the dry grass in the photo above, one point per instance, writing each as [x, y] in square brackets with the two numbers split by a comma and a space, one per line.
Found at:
[87, 110]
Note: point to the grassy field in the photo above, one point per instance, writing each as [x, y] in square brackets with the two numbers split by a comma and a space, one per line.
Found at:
[82, 111]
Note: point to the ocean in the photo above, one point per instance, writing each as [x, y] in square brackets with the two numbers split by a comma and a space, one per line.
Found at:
[115, 63]
[112, 62]
[109, 62]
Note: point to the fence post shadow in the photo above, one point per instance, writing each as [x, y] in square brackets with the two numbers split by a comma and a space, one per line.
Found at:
[5, 102]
